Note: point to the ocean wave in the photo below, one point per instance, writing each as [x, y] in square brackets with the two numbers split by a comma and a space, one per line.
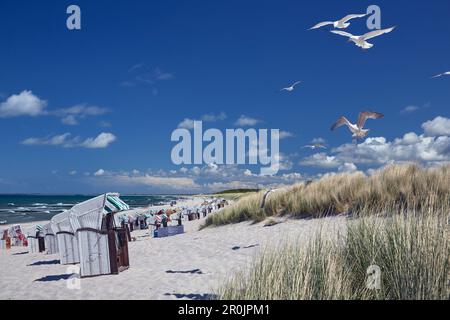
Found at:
[39, 204]
[11, 204]
[21, 209]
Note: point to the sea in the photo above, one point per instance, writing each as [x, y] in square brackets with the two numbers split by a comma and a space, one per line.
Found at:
[16, 209]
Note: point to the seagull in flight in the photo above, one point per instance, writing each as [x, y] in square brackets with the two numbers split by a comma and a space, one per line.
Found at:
[291, 88]
[339, 24]
[442, 74]
[361, 41]
[357, 129]
[315, 146]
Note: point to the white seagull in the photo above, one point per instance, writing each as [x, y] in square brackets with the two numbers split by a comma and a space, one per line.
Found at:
[291, 88]
[442, 74]
[339, 24]
[357, 129]
[315, 146]
[360, 41]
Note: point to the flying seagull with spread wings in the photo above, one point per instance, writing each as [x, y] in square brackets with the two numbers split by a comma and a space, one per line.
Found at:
[442, 74]
[361, 41]
[315, 146]
[357, 129]
[291, 88]
[339, 24]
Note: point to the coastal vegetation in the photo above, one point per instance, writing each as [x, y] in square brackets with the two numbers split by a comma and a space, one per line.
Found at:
[396, 226]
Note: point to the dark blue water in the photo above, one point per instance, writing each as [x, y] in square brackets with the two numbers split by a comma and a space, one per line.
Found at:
[29, 208]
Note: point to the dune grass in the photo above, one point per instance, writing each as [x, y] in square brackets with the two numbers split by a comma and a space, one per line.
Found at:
[392, 189]
[411, 251]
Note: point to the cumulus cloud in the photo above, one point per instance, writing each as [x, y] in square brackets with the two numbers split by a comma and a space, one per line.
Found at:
[71, 116]
[206, 178]
[22, 104]
[103, 140]
[318, 141]
[51, 141]
[321, 160]
[65, 140]
[348, 167]
[286, 134]
[430, 148]
[245, 121]
[28, 104]
[188, 123]
[99, 173]
[436, 127]
[413, 108]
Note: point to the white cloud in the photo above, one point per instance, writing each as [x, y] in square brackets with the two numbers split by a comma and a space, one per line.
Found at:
[425, 149]
[348, 167]
[321, 160]
[286, 134]
[57, 140]
[438, 126]
[245, 121]
[70, 120]
[318, 141]
[103, 140]
[188, 123]
[23, 104]
[214, 117]
[413, 108]
[73, 172]
[197, 179]
[70, 116]
[99, 173]
[409, 109]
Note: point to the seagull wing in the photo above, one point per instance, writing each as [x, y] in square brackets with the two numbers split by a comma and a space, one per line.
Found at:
[342, 33]
[352, 16]
[321, 24]
[376, 33]
[441, 74]
[296, 83]
[341, 121]
[363, 116]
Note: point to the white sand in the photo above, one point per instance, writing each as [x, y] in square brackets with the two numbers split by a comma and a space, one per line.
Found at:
[187, 266]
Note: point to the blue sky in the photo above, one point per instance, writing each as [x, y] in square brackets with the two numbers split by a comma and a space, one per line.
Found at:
[108, 97]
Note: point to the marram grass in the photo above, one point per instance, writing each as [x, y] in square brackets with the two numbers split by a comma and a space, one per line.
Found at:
[392, 189]
[411, 251]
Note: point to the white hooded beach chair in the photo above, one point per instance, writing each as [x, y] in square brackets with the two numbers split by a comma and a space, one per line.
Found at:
[66, 238]
[51, 244]
[36, 241]
[2, 241]
[102, 242]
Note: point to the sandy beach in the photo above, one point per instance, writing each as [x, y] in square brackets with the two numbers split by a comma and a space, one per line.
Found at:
[186, 266]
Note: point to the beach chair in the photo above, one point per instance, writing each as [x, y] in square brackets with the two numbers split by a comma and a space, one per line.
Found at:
[51, 243]
[36, 241]
[66, 238]
[102, 242]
